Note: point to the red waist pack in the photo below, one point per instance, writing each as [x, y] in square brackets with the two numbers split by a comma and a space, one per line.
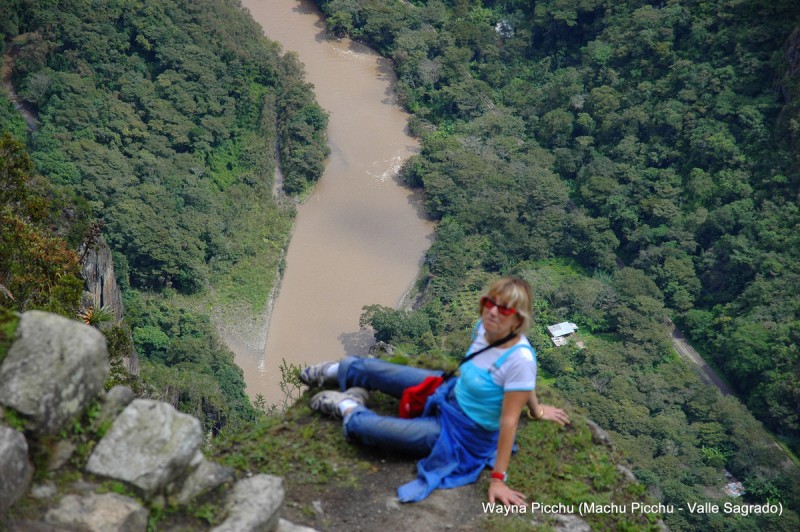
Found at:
[412, 403]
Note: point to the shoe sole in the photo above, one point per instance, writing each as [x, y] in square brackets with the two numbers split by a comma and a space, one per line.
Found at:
[327, 402]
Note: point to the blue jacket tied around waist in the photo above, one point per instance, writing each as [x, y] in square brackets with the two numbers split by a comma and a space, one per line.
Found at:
[462, 451]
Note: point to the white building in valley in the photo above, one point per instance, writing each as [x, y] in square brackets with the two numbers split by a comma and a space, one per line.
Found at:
[560, 332]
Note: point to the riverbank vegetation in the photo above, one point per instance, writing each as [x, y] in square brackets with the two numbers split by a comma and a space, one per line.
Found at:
[635, 161]
[163, 119]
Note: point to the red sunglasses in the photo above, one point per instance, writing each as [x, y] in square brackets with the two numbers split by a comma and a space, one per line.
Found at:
[489, 303]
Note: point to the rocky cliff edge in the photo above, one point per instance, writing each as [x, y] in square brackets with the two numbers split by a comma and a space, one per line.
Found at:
[76, 457]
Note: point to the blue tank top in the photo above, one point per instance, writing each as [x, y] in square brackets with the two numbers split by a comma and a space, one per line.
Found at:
[479, 396]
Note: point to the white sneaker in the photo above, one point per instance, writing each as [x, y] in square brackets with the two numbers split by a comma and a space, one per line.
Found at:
[314, 375]
[327, 402]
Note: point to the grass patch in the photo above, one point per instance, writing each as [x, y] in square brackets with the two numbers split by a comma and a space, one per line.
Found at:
[555, 465]
[8, 327]
[300, 445]
[464, 307]
[247, 284]
[14, 419]
[260, 234]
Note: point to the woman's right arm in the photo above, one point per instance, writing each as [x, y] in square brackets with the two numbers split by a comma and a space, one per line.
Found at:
[546, 412]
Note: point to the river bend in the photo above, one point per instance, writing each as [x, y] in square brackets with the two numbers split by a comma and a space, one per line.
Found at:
[360, 238]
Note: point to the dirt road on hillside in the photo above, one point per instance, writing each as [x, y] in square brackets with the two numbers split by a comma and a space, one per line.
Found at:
[707, 373]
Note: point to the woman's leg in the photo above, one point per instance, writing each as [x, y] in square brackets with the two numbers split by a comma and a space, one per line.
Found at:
[413, 436]
[376, 374]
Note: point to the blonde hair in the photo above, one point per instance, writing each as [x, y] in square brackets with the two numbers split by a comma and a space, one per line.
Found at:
[513, 292]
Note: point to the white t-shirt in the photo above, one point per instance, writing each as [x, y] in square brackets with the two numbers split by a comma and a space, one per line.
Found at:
[481, 385]
[517, 373]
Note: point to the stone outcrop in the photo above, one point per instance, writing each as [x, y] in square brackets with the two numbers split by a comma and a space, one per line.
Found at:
[54, 368]
[158, 443]
[254, 504]
[99, 513]
[599, 436]
[54, 371]
[114, 402]
[379, 348]
[101, 282]
[207, 476]
[15, 468]
[102, 290]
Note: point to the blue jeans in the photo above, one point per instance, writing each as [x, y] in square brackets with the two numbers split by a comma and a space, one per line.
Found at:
[414, 436]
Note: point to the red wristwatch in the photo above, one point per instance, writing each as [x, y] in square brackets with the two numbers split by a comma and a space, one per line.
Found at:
[499, 476]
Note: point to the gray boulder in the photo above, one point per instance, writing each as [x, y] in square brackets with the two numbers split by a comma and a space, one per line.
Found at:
[150, 445]
[99, 513]
[288, 526]
[54, 368]
[42, 491]
[114, 402]
[207, 476]
[254, 505]
[60, 455]
[599, 436]
[627, 474]
[16, 470]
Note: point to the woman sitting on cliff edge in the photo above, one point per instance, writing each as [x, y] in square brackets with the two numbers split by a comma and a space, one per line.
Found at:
[470, 422]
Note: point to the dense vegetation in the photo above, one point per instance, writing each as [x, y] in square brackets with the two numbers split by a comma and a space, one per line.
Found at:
[37, 269]
[633, 160]
[653, 147]
[161, 119]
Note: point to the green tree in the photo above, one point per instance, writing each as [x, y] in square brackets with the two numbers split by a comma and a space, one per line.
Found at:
[37, 269]
[396, 326]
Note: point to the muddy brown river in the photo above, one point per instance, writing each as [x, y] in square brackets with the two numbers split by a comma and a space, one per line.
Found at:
[360, 238]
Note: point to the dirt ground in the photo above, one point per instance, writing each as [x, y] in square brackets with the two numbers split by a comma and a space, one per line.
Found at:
[373, 506]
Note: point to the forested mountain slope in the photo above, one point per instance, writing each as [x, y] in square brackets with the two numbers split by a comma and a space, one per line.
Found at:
[563, 140]
[162, 118]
